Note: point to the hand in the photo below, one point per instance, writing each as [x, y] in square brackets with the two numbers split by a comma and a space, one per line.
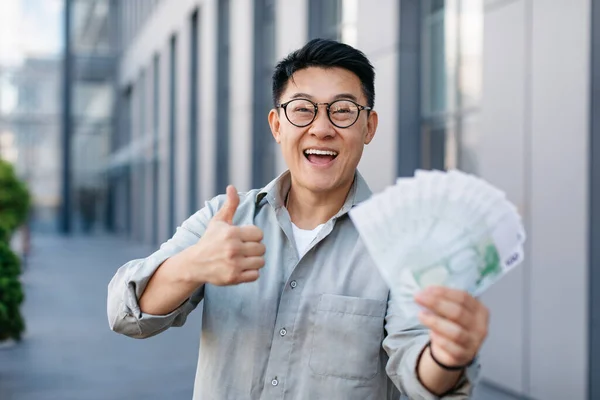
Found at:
[227, 254]
[457, 321]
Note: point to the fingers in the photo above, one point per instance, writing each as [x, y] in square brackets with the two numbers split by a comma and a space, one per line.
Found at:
[457, 305]
[446, 328]
[249, 263]
[442, 306]
[457, 322]
[459, 297]
[250, 233]
[253, 249]
[227, 212]
[249, 275]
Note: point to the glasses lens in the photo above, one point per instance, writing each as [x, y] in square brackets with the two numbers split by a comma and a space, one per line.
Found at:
[343, 113]
[300, 112]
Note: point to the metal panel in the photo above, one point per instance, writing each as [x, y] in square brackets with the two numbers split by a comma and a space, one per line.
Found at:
[222, 158]
[172, 133]
[193, 127]
[263, 145]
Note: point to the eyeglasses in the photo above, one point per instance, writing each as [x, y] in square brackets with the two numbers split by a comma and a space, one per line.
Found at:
[341, 113]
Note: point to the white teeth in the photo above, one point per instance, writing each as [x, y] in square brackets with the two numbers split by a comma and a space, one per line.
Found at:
[321, 152]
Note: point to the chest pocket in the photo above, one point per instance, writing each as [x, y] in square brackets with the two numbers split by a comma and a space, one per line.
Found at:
[347, 336]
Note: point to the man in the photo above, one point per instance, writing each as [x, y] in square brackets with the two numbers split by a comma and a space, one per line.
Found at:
[293, 305]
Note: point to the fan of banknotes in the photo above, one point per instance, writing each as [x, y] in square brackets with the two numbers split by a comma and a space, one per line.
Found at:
[447, 228]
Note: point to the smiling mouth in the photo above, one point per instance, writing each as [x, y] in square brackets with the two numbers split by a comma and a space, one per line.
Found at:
[320, 157]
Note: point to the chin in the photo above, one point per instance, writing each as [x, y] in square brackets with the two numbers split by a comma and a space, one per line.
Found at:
[319, 183]
[316, 188]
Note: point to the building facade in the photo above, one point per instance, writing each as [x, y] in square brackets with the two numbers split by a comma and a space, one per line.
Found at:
[90, 101]
[30, 132]
[491, 87]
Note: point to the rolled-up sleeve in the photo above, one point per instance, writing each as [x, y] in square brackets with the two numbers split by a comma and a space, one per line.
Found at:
[130, 281]
[405, 340]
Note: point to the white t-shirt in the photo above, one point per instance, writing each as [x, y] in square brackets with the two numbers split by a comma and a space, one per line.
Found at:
[304, 237]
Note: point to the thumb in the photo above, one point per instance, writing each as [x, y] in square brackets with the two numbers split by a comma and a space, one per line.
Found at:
[226, 212]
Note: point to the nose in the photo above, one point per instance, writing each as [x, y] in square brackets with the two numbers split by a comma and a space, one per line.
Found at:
[321, 127]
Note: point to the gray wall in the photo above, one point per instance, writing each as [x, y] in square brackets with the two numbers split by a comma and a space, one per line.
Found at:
[535, 139]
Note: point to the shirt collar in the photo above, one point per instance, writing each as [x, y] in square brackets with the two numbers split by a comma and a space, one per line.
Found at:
[276, 191]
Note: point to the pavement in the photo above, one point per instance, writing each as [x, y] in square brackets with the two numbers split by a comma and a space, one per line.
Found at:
[69, 352]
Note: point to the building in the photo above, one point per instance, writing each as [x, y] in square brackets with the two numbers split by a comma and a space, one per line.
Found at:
[30, 131]
[498, 88]
[90, 102]
[30, 102]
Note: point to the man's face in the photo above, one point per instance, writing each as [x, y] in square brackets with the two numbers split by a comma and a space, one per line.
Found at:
[323, 173]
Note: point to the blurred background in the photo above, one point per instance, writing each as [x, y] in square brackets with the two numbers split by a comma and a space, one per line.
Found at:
[124, 116]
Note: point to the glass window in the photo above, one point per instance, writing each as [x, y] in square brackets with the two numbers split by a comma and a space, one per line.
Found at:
[122, 175]
[324, 17]
[90, 23]
[141, 165]
[333, 19]
[451, 84]
[101, 116]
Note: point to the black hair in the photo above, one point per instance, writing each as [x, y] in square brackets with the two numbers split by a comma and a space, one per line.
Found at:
[325, 53]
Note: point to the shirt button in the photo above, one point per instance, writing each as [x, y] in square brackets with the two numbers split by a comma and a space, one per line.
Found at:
[283, 332]
[274, 382]
[293, 284]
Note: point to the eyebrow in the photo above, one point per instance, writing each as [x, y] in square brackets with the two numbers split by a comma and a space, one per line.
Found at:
[336, 97]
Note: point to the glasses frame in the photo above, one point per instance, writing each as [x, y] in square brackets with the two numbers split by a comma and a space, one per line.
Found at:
[316, 105]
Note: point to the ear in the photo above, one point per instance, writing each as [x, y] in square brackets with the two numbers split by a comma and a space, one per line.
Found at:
[372, 122]
[275, 124]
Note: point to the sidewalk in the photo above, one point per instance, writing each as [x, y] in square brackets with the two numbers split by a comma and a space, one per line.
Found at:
[69, 352]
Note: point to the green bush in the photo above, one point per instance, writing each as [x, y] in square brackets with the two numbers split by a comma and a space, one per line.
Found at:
[14, 208]
[14, 198]
[11, 295]
[4, 232]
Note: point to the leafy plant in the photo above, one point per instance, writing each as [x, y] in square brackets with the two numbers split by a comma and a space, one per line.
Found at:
[14, 198]
[14, 207]
[12, 325]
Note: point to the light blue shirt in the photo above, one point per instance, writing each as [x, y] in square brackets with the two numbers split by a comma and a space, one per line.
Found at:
[320, 326]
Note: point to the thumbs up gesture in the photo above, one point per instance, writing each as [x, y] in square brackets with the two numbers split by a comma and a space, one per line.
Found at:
[228, 254]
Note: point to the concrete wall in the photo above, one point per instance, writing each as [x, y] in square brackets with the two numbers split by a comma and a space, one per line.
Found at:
[502, 158]
[154, 38]
[241, 96]
[378, 38]
[535, 138]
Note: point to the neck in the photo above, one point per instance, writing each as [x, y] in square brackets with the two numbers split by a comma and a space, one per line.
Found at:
[308, 209]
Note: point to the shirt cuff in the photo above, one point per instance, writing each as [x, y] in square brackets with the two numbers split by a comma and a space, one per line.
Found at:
[416, 390]
[149, 324]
